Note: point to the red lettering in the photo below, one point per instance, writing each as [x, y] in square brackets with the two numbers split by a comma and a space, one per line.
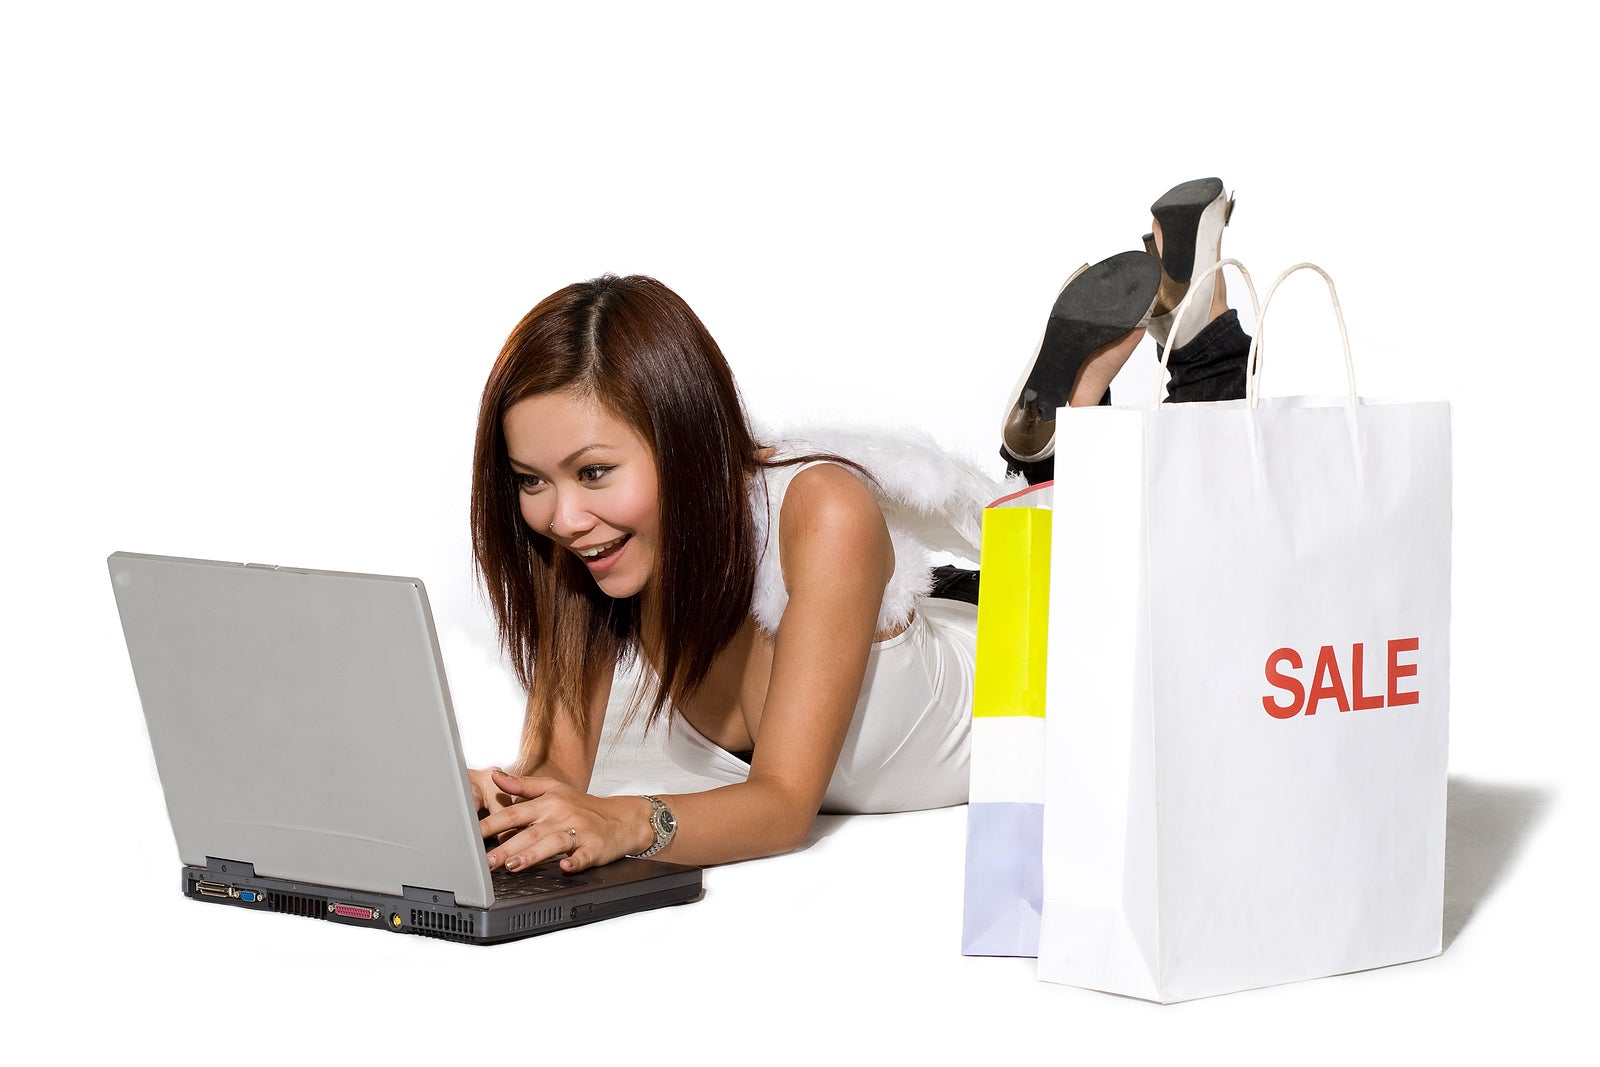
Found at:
[1287, 682]
[1398, 670]
[1327, 683]
[1362, 702]
[1333, 686]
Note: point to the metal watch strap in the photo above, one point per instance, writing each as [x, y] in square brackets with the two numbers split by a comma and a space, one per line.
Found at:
[662, 838]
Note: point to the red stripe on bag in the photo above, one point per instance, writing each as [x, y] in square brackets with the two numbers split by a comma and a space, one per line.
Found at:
[1034, 488]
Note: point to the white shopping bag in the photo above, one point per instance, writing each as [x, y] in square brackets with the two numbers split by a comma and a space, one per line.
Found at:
[1249, 690]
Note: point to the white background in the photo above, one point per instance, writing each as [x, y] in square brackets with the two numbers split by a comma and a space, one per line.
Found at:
[256, 262]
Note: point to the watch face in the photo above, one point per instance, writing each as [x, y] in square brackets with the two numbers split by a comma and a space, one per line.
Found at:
[665, 823]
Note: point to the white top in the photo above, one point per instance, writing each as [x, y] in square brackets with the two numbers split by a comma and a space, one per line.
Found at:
[907, 748]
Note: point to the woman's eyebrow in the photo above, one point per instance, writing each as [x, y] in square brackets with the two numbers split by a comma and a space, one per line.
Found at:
[569, 461]
[598, 446]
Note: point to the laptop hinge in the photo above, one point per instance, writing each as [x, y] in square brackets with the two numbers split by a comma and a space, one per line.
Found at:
[222, 869]
[442, 897]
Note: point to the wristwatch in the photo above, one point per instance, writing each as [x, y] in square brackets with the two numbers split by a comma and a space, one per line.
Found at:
[662, 822]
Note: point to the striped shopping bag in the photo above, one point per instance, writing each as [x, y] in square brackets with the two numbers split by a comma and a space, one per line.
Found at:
[1005, 813]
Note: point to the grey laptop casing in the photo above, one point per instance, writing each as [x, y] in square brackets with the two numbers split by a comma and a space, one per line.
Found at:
[306, 745]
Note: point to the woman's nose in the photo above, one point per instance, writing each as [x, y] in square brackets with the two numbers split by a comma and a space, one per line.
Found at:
[569, 519]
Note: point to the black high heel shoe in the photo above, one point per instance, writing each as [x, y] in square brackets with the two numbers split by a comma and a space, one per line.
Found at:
[1098, 305]
[1192, 216]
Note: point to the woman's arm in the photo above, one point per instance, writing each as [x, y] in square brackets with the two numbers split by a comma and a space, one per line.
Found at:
[566, 754]
[837, 559]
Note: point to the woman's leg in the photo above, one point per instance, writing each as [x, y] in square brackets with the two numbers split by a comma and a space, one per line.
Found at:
[1213, 365]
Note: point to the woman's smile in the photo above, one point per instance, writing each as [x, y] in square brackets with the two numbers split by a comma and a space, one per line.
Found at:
[601, 557]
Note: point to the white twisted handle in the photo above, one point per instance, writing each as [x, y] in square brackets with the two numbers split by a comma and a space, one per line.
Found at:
[1254, 389]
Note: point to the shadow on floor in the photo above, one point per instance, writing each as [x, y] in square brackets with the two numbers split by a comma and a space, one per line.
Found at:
[1486, 826]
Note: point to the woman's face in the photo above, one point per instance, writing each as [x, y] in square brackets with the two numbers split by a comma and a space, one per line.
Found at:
[588, 482]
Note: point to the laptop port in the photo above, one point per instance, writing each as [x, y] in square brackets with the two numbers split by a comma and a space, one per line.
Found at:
[352, 911]
[211, 889]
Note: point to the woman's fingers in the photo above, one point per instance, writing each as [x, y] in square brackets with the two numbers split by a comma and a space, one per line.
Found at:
[512, 817]
[581, 858]
[514, 846]
[488, 798]
[543, 833]
[515, 802]
[535, 845]
[522, 787]
[479, 780]
[497, 801]
[526, 816]
[555, 820]
[553, 843]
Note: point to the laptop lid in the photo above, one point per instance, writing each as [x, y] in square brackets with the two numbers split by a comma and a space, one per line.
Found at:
[301, 722]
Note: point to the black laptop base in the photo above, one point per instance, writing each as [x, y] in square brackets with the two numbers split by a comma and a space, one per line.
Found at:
[536, 901]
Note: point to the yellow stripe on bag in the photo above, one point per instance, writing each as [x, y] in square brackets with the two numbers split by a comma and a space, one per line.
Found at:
[1013, 613]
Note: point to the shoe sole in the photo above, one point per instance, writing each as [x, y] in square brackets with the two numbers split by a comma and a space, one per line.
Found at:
[1179, 212]
[1192, 217]
[1099, 305]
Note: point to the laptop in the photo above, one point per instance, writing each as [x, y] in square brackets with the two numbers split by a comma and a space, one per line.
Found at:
[309, 757]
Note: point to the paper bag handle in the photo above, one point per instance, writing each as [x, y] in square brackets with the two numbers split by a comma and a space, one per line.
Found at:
[1253, 390]
[1183, 307]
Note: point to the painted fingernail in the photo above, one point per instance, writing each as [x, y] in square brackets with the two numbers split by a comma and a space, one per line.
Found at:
[513, 863]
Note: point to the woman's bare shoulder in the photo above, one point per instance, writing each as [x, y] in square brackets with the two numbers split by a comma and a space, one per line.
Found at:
[829, 517]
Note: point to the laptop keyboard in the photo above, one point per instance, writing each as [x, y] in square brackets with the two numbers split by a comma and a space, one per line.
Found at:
[512, 885]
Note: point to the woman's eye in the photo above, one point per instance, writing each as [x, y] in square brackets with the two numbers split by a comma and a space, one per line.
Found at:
[592, 474]
[527, 483]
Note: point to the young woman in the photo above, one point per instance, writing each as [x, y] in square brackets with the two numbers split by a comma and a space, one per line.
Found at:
[777, 592]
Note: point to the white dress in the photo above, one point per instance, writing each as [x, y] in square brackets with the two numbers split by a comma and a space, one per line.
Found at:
[907, 747]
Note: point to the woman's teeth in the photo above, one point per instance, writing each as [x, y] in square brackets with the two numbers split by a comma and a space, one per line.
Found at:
[600, 550]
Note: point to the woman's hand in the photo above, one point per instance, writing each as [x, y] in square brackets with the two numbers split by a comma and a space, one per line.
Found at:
[545, 818]
[486, 797]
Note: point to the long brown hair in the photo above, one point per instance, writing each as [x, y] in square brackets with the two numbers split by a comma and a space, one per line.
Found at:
[636, 348]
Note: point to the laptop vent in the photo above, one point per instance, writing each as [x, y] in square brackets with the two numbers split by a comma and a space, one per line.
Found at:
[542, 917]
[446, 924]
[295, 904]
